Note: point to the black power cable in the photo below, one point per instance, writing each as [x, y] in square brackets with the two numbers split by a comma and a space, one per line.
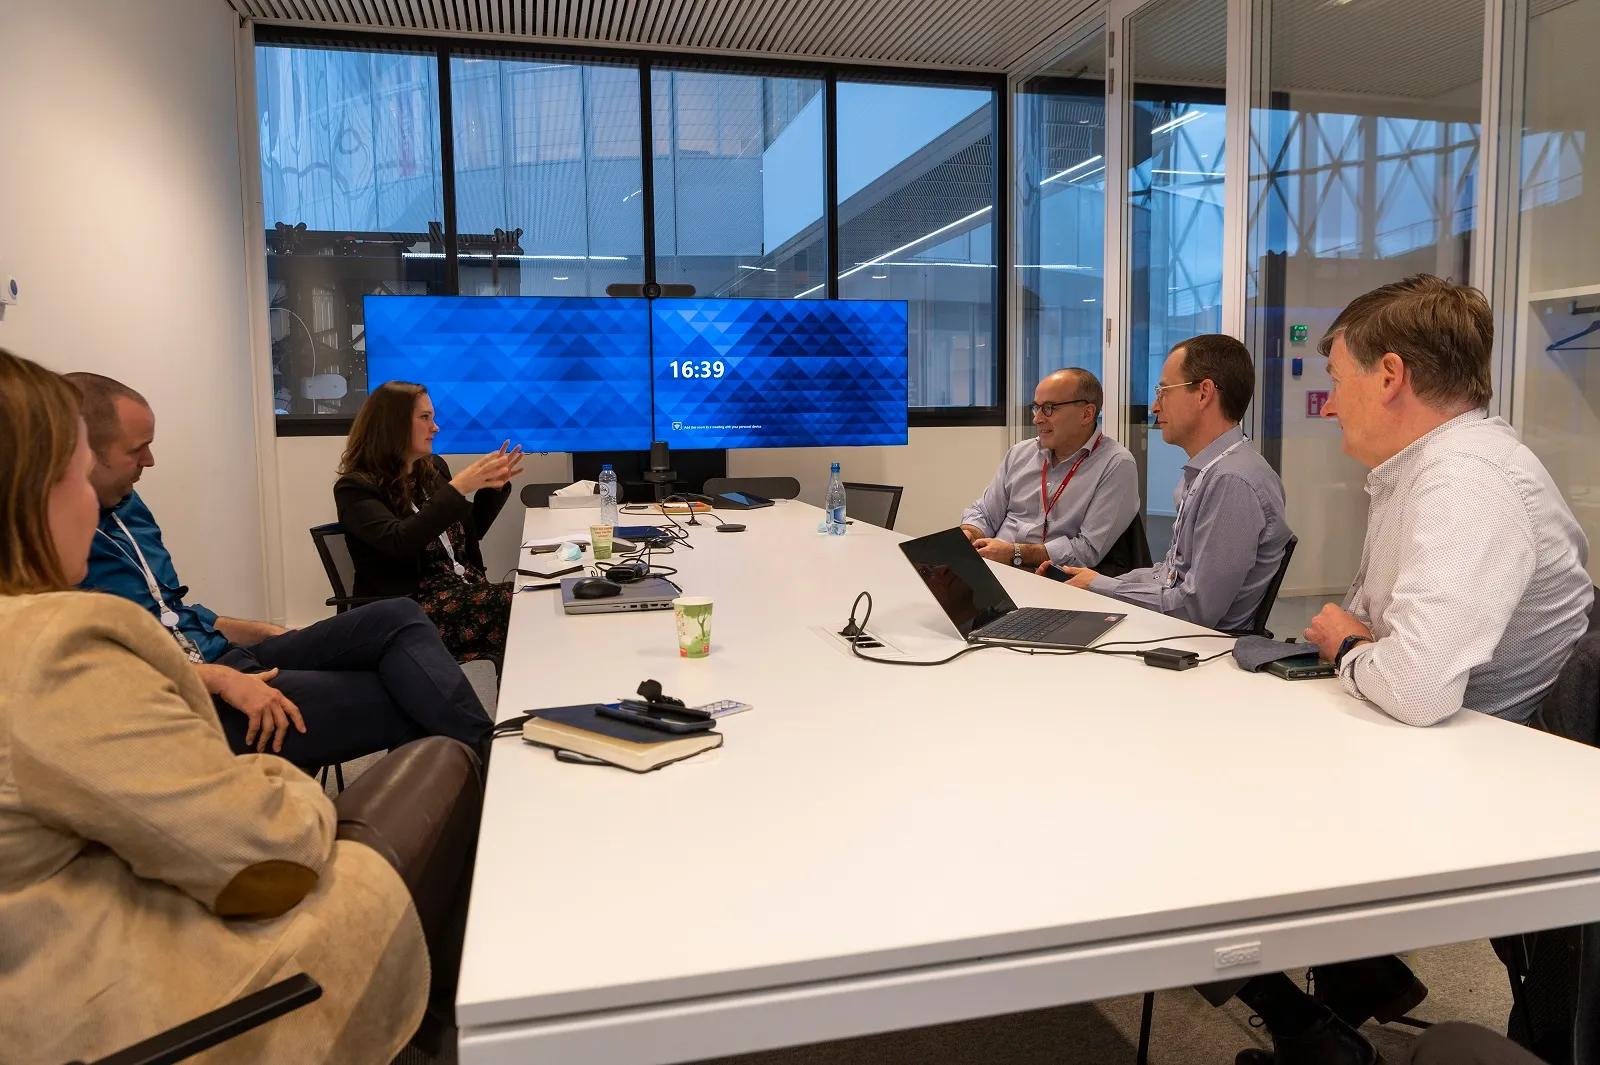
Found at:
[859, 629]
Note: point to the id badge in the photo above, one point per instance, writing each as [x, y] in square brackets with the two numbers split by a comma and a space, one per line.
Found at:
[187, 646]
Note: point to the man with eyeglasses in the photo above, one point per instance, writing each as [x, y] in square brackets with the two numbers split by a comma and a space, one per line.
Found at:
[1230, 533]
[1065, 497]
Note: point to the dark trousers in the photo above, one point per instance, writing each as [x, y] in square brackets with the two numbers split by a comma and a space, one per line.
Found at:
[367, 680]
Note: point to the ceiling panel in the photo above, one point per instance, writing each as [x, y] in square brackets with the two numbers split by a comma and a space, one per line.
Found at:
[939, 34]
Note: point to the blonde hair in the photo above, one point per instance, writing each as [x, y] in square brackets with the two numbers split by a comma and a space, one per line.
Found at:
[39, 420]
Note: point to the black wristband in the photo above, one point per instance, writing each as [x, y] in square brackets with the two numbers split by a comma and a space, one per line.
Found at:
[1348, 644]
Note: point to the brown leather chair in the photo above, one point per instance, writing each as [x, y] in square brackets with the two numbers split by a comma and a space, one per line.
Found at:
[419, 808]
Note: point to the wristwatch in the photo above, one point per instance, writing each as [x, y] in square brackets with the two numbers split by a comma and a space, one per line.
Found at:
[1346, 645]
[1016, 555]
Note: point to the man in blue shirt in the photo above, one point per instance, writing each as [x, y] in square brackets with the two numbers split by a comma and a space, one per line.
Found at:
[1230, 533]
[366, 680]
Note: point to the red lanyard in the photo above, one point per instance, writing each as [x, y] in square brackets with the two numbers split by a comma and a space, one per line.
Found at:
[1044, 482]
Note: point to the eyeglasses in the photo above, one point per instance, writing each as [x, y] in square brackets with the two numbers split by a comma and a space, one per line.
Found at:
[1162, 390]
[1048, 409]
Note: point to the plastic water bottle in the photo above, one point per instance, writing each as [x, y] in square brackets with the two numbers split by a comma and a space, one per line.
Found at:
[608, 496]
[835, 502]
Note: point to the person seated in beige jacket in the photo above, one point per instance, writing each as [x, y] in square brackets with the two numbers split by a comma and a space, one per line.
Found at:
[147, 873]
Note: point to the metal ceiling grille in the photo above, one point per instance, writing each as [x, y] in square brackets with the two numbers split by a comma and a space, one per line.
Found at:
[935, 34]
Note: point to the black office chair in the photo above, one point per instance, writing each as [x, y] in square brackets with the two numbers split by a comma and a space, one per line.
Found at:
[1555, 1013]
[1258, 622]
[875, 504]
[538, 495]
[771, 487]
[1131, 551]
[341, 570]
[218, 1026]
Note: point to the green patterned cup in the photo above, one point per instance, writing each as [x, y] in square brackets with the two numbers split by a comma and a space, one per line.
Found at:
[600, 540]
[693, 615]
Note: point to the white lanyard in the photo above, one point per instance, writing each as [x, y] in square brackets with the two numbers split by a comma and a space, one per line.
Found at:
[169, 617]
[450, 553]
[1171, 561]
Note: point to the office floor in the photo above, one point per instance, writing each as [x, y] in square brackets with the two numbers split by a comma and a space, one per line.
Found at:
[1466, 982]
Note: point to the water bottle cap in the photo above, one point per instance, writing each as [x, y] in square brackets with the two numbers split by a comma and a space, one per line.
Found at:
[835, 467]
[605, 467]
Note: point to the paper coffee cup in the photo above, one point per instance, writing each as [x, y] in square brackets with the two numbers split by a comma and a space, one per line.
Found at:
[693, 616]
[600, 540]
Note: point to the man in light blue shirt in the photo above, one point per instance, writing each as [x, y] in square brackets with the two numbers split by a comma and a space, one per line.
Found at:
[1064, 497]
[1230, 532]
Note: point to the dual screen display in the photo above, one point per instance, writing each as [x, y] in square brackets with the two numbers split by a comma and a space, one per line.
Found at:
[556, 373]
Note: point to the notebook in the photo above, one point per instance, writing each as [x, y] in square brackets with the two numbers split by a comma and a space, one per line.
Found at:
[978, 606]
[583, 730]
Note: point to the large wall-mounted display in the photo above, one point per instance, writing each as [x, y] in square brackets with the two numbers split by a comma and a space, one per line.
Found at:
[780, 373]
[582, 373]
[551, 373]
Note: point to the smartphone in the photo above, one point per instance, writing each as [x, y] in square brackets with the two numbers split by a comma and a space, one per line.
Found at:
[1056, 573]
[645, 706]
[1302, 667]
[660, 721]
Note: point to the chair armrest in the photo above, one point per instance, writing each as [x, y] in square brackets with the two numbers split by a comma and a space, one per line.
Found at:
[348, 602]
[220, 1025]
[418, 807]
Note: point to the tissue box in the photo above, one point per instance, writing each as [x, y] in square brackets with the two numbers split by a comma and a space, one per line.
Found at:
[574, 502]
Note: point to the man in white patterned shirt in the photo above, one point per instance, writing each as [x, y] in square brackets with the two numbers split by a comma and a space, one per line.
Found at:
[1471, 589]
[1470, 593]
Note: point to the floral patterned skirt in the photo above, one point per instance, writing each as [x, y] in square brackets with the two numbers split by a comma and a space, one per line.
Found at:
[472, 616]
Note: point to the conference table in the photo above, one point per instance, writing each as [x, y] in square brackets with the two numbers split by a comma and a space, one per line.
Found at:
[877, 847]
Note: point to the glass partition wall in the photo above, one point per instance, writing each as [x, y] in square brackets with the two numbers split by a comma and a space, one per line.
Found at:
[1366, 141]
[1557, 321]
[1175, 164]
[1060, 197]
[1362, 171]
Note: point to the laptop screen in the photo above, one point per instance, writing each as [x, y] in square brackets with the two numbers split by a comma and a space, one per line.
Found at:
[959, 579]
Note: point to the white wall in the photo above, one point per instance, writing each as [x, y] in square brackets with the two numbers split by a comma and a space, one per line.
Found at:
[120, 211]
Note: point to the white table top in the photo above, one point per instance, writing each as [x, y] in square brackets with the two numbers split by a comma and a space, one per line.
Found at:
[866, 818]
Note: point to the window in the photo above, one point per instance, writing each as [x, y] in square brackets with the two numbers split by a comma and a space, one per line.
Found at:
[739, 184]
[548, 179]
[917, 204]
[352, 198]
[534, 182]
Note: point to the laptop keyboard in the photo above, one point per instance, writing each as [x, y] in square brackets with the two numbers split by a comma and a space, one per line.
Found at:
[1025, 623]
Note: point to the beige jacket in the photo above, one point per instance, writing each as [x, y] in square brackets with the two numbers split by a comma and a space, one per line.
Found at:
[139, 857]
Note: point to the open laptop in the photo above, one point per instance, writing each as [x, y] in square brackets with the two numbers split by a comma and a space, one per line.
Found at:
[652, 593]
[979, 607]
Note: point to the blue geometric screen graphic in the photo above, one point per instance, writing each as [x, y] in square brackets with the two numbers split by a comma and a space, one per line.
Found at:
[551, 374]
[779, 373]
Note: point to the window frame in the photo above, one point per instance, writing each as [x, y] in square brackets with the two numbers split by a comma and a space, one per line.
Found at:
[645, 61]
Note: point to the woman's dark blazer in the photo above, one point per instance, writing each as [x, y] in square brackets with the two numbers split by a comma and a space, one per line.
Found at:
[387, 547]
